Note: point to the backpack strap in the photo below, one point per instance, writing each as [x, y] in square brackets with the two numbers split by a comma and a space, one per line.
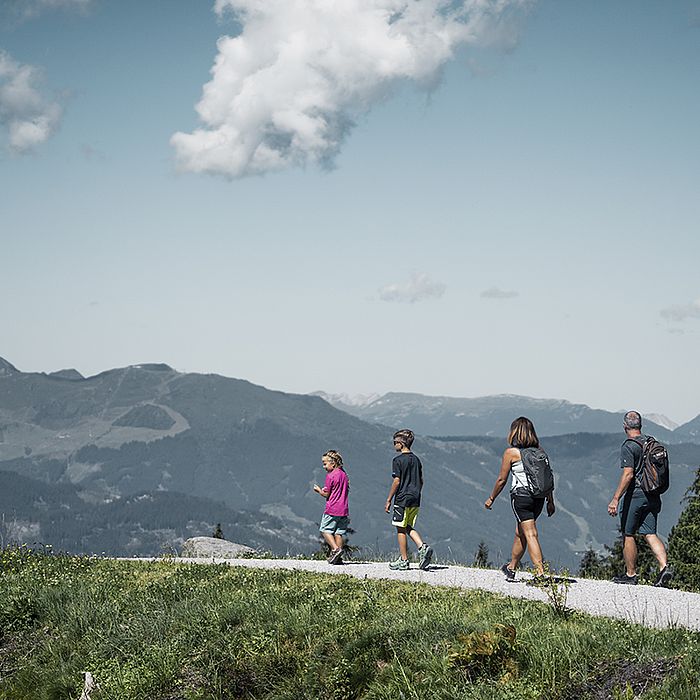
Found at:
[638, 468]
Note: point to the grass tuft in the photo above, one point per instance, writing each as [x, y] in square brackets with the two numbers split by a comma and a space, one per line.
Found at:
[492, 653]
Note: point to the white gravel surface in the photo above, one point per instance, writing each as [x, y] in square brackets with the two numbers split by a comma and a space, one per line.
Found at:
[645, 605]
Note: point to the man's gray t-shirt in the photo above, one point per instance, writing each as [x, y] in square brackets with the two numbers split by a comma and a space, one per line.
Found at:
[631, 457]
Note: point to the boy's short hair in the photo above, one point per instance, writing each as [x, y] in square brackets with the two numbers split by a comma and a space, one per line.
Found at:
[405, 437]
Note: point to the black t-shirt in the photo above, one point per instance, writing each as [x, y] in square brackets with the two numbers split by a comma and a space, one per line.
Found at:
[631, 456]
[409, 470]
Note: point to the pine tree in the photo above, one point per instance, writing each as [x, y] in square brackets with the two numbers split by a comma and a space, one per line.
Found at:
[481, 557]
[592, 565]
[684, 541]
[218, 532]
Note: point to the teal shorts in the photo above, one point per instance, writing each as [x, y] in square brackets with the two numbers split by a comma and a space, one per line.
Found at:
[335, 524]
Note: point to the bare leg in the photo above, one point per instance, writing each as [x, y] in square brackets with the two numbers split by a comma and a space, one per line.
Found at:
[403, 542]
[658, 549]
[529, 529]
[519, 547]
[330, 540]
[413, 534]
[629, 554]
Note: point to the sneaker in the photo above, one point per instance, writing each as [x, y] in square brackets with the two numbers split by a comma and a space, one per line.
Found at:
[329, 559]
[664, 577]
[624, 578]
[508, 573]
[399, 565]
[336, 557]
[425, 556]
[538, 580]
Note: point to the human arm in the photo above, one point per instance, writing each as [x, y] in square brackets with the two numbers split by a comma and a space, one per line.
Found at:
[625, 480]
[392, 491]
[551, 508]
[326, 490]
[630, 454]
[509, 456]
[321, 491]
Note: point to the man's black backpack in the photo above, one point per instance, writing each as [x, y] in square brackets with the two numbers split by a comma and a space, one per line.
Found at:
[540, 480]
[652, 471]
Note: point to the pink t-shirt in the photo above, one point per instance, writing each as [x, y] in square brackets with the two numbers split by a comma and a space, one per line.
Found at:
[337, 485]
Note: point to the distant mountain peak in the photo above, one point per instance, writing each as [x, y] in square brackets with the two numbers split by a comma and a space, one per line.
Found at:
[355, 400]
[691, 429]
[6, 369]
[153, 367]
[70, 374]
[662, 420]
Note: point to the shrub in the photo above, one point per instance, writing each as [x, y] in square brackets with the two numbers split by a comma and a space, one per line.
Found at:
[684, 541]
[489, 653]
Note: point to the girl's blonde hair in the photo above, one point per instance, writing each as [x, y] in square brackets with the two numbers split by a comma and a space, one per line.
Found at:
[335, 457]
[522, 433]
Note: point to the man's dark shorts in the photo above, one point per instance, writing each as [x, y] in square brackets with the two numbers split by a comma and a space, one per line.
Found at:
[639, 513]
[525, 506]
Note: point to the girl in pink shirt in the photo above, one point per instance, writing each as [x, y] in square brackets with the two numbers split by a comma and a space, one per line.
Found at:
[335, 519]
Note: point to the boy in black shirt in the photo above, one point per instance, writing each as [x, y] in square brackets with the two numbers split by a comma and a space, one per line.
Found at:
[405, 491]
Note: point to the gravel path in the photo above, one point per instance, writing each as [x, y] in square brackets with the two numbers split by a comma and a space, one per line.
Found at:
[645, 605]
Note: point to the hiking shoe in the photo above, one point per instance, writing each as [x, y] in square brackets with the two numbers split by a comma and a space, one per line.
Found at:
[425, 556]
[508, 573]
[399, 565]
[624, 578]
[336, 557]
[664, 577]
[538, 580]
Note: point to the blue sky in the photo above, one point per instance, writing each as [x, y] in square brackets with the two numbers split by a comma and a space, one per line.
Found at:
[520, 216]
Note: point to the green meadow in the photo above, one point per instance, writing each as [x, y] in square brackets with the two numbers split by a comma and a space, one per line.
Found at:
[164, 631]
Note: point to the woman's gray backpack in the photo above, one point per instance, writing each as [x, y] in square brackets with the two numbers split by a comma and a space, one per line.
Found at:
[538, 472]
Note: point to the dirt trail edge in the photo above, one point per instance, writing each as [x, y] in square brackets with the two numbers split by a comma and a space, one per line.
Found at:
[645, 605]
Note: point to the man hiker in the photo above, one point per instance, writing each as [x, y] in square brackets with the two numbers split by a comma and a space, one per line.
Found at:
[639, 509]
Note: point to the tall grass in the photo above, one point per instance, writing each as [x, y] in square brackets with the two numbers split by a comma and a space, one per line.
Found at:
[166, 631]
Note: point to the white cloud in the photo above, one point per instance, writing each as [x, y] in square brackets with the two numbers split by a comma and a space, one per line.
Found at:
[419, 288]
[27, 9]
[286, 91]
[495, 293]
[53, 4]
[28, 117]
[682, 312]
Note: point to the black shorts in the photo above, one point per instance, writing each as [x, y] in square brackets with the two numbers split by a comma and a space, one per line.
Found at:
[525, 506]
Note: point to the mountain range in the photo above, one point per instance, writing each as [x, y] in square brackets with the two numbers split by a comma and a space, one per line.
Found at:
[134, 460]
[492, 415]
